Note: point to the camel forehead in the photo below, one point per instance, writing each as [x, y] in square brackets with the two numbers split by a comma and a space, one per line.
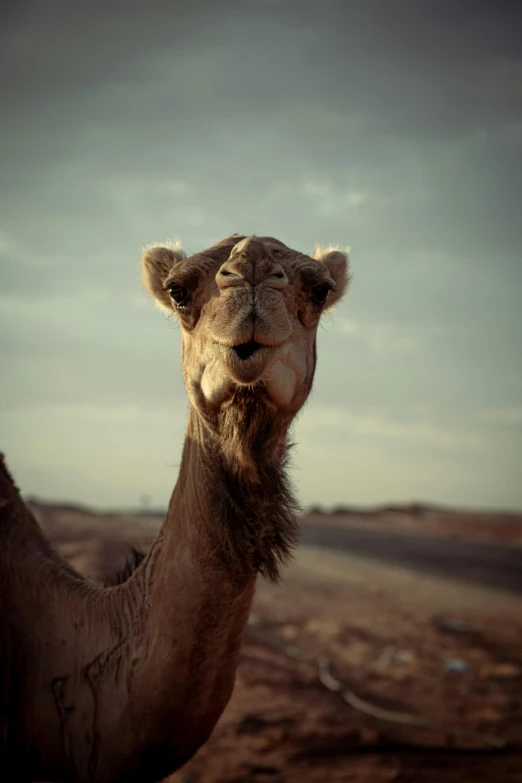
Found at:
[233, 239]
[220, 251]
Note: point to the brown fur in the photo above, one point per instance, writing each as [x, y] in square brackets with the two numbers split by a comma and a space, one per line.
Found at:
[123, 683]
[253, 497]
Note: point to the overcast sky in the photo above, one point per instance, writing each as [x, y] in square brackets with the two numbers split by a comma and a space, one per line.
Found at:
[394, 127]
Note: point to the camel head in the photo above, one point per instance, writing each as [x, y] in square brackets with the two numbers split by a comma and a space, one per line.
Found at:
[249, 308]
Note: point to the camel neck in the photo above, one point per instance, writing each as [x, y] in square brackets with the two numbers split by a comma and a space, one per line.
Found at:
[223, 527]
[191, 600]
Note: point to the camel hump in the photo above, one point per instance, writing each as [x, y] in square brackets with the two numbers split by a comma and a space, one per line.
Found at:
[5, 472]
[7, 482]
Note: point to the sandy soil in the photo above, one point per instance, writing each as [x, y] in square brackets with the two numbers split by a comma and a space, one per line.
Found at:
[401, 641]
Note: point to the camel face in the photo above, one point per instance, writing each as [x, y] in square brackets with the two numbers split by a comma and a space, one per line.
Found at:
[249, 308]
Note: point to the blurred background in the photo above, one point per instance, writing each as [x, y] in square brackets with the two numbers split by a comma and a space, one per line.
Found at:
[391, 127]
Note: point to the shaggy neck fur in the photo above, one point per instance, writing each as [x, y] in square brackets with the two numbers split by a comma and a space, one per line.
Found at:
[242, 456]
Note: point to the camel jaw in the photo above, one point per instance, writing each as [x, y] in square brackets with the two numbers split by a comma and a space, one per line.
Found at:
[278, 370]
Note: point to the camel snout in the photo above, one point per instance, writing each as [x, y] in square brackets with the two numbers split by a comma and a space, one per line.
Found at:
[250, 263]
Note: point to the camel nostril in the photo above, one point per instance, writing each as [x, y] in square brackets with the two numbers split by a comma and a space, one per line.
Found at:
[245, 350]
[251, 272]
[226, 278]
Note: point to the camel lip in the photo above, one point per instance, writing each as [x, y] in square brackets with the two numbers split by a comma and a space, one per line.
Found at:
[246, 361]
[245, 351]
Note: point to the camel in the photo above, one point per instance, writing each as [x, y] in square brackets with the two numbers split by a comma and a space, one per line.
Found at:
[124, 683]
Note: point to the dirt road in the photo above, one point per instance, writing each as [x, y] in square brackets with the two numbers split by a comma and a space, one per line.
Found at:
[488, 564]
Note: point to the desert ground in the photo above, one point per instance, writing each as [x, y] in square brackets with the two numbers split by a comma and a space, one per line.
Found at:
[392, 651]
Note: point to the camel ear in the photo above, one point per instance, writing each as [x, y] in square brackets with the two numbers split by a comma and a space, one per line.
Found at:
[337, 263]
[156, 264]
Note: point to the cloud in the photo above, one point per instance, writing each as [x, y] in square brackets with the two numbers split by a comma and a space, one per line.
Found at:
[507, 416]
[381, 338]
[119, 414]
[379, 425]
[331, 199]
[8, 245]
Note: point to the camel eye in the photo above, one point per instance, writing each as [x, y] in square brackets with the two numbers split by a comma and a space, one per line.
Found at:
[319, 294]
[179, 295]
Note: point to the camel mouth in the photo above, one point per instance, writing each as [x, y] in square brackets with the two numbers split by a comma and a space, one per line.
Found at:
[246, 362]
[245, 350]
